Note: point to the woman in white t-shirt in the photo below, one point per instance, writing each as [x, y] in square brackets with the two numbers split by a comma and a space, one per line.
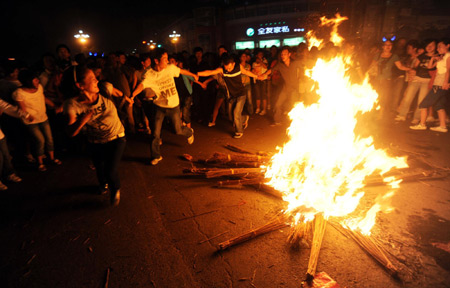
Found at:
[30, 98]
[96, 116]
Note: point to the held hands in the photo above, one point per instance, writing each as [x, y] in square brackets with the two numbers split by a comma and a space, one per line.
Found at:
[196, 77]
[129, 100]
[29, 118]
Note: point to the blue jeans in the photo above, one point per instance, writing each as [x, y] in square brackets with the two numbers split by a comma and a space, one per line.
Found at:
[285, 102]
[174, 115]
[186, 109]
[106, 158]
[410, 94]
[248, 107]
[437, 98]
[6, 167]
[236, 105]
[42, 135]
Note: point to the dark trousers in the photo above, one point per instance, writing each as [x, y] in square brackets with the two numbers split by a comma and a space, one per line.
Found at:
[106, 158]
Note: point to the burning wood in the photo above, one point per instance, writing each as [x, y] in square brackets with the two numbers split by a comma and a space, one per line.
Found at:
[320, 223]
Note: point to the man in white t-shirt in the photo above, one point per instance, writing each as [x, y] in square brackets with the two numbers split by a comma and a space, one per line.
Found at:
[167, 103]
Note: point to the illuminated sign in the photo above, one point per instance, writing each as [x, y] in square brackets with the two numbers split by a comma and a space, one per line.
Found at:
[250, 32]
[241, 45]
[273, 30]
[269, 43]
[293, 41]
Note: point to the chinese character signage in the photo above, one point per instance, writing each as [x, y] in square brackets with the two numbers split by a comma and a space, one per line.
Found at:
[273, 30]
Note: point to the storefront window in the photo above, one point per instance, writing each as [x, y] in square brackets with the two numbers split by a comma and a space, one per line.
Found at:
[241, 45]
[269, 43]
[293, 41]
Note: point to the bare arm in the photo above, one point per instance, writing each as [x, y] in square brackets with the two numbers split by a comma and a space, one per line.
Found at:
[138, 90]
[247, 72]
[446, 85]
[207, 73]
[400, 66]
[75, 125]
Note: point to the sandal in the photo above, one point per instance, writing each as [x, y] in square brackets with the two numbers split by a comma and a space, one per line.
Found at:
[56, 161]
[42, 168]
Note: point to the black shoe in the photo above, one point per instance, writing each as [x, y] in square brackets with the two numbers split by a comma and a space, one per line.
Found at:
[115, 198]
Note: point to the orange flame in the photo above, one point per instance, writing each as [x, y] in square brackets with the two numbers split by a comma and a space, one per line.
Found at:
[321, 169]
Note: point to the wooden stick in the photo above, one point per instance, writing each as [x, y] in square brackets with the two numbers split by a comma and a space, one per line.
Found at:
[273, 225]
[214, 173]
[107, 278]
[320, 224]
[237, 149]
[214, 237]
[370, 247]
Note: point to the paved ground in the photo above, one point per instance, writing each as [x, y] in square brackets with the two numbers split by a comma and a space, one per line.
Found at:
[57, 232]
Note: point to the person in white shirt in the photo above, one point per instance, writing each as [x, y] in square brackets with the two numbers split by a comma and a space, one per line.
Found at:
[167, 102]
[31, 99]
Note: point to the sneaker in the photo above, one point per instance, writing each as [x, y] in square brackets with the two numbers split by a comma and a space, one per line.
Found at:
[262, 113]
[257, 111]
[211, 124]
[3, 187]
[42, 168]
[238, 135]
[418, 127]
[56, 161]
[191, 139]
[400, 118]
[439, 129]
[14, 178]
[115, 198]
[415, 121]
[156, 161]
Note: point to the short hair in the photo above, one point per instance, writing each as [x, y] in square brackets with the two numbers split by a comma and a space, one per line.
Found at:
[445, 40]
[144, 56]
[227, 59]
[223, 47]
[158, 53]
[26, 77]
[62, 46]
[286, 48]
[414, 43]
[71, 76]
[198, 49]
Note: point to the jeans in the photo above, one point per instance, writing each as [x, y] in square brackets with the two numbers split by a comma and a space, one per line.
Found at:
[106, 158]
[42, 135]
[174, 115]
[236, 105]
[186, 109]
[410, 94]
[437, 97]
[6, 167]
[260, 89]
[248, 107]
[285, 102]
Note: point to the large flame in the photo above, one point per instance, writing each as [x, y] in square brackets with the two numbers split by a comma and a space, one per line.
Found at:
[321, 169]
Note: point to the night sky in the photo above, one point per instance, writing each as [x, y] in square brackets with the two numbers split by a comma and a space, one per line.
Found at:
[32, 28]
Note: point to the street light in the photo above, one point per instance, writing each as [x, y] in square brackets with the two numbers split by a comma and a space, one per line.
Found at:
[82, 37]
[175, 37]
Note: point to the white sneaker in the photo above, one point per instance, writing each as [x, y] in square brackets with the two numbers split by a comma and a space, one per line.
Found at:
[418, 127]
[14, 178]
[439, 129]
[156, 161]
[400, 118]
[3, 187]
[238, 135]
[191, 139]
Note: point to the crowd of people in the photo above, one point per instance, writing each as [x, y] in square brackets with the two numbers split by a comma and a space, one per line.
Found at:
[107, 98]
